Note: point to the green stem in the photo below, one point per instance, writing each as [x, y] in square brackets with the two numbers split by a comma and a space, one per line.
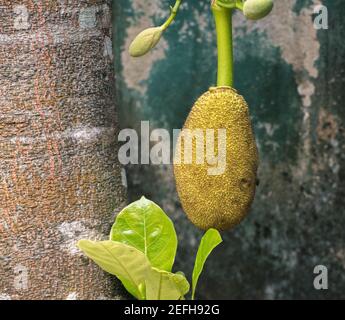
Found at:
[223, 19]
[239, 5]
[173, 14]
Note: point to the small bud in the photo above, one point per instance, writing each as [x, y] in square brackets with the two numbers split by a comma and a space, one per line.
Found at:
[145, 41]
[257, 9]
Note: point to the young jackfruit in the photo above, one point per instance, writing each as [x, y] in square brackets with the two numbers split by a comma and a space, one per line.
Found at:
[218, 201]
[257, 9]
[145, 41]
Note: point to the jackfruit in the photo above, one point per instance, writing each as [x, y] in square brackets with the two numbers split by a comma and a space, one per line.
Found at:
[145, 41]
[218, 201]
[257, 9]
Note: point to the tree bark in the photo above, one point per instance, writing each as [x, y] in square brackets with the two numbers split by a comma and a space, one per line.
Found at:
[59, 176]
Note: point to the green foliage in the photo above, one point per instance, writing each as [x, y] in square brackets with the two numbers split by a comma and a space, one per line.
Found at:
[141, 252]
[128, 264]
[145, 226]
[162, 285]
[209, 241]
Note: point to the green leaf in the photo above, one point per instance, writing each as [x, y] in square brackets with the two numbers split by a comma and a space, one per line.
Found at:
[209, 241]
[128, 264]
[163, 285]
[145, 226]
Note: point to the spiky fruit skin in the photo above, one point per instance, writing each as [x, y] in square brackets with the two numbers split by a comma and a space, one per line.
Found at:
[219, 201]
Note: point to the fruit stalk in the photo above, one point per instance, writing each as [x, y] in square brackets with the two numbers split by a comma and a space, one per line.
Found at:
[173, 14]
[223, 19]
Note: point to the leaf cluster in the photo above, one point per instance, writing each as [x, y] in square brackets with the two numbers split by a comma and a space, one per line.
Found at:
[141, 252]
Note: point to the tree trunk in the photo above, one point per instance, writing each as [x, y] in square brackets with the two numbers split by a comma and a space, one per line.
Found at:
[59, 176]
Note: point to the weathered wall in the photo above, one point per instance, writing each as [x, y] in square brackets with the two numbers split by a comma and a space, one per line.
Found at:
[293, 79]
[59, 176]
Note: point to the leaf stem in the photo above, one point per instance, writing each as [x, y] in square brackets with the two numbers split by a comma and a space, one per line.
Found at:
[223, 19]
[173, 14]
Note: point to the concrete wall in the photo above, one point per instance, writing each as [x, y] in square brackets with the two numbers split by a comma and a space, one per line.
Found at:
[293, 79]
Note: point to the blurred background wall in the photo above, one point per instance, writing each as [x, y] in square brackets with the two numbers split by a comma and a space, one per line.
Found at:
[292, 76]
